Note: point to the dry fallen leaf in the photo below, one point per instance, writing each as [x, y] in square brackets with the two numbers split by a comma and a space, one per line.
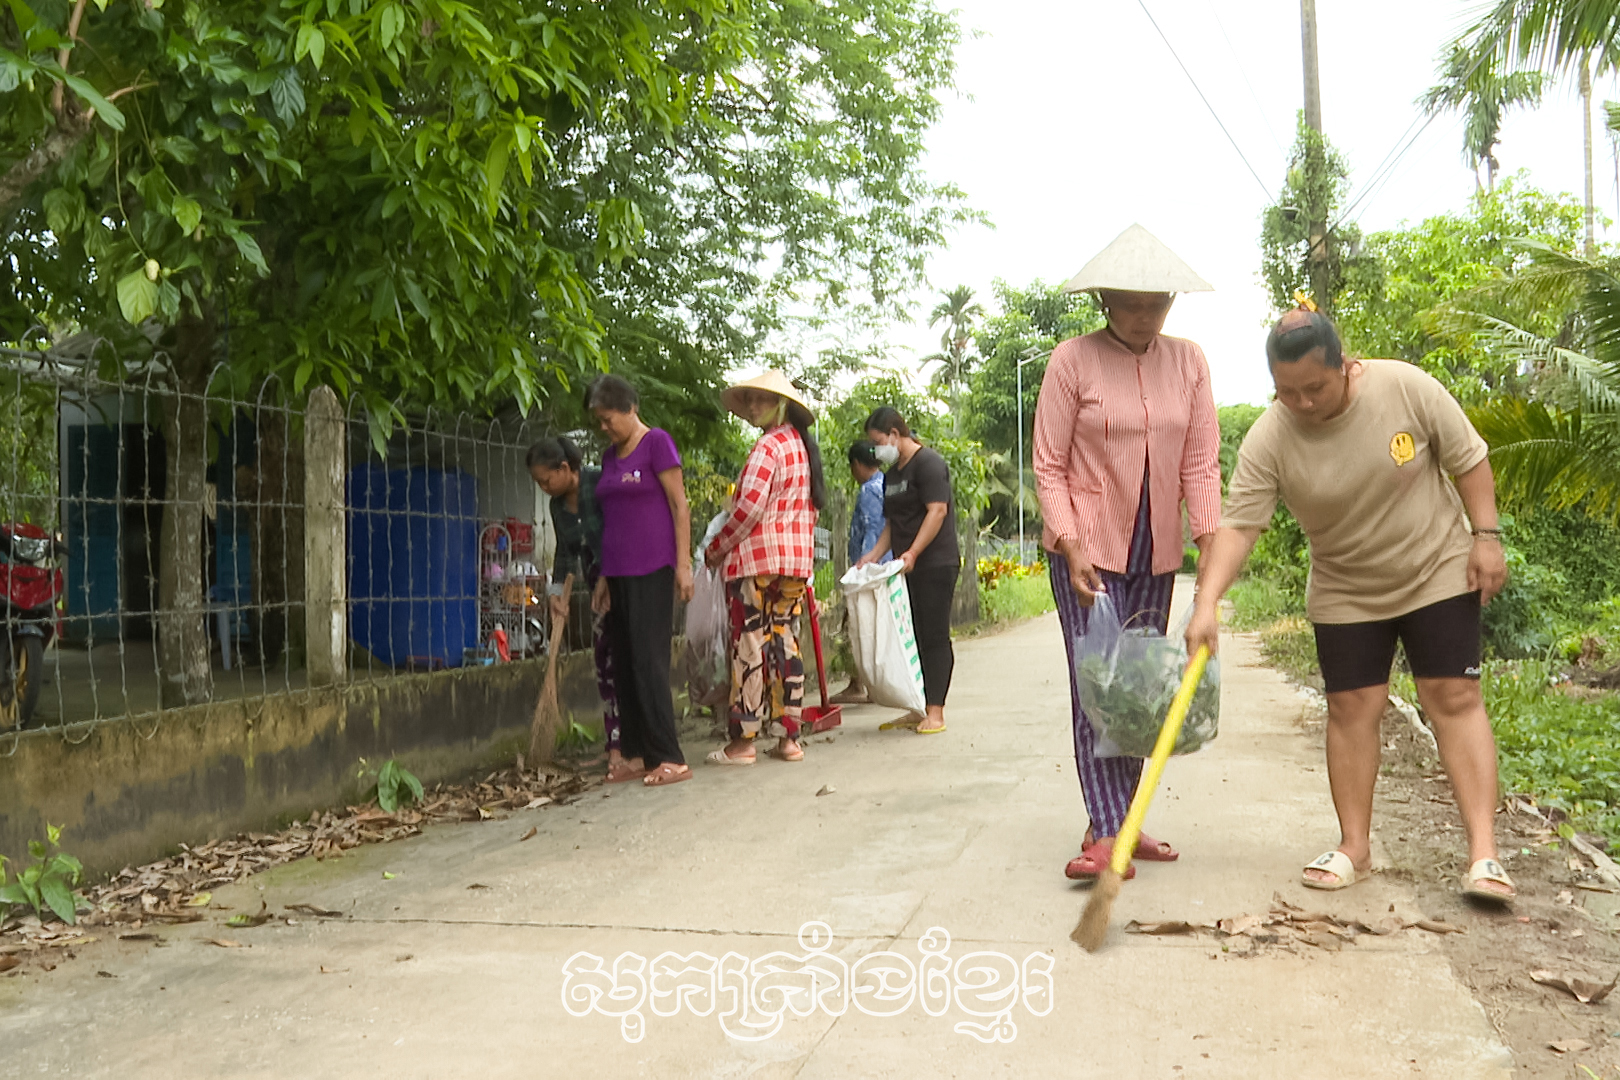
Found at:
[528, 835]
[8, 962]
[200, 900]
[535, 803]
[239, 921]
[1160, 928]
[106, 975]
[1438, 926]
[332, 971]
[477, 885]
[311, 909]
[137, 937]
[826, 789]
[1323, 940]
[1569, 1046]
[1586, 991]
[1240, 925]
[226, 943]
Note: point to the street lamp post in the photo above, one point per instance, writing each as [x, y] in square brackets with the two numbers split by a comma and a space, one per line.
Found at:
[1033, 353]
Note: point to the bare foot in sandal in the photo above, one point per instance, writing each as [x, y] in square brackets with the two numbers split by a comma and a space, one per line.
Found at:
[786, 750]
[623, 770]
[667, 773]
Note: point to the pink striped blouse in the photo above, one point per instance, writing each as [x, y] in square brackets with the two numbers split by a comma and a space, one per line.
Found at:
[1103, 413]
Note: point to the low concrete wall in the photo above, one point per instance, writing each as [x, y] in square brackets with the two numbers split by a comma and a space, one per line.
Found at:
[216, 770]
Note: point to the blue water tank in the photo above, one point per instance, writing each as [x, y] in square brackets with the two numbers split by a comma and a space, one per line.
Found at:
[413, 564]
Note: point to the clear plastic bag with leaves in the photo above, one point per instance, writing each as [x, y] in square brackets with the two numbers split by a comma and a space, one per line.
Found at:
[1127, 676]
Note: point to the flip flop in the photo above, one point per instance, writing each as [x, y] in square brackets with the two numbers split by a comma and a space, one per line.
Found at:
[1093, 860]
[667, 773]
[910, 720]
[1488, 870]
[781, 755]
[720, 757]
[1147, 848]
[919, 729]
[1336, 863]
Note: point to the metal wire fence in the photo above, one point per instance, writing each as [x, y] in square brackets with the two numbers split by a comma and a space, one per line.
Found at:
[157, 546]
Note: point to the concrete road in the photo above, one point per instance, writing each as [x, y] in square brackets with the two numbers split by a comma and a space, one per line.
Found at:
[455, 965]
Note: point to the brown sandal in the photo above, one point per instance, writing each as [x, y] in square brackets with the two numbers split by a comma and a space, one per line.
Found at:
[667, 773]
[623, 773]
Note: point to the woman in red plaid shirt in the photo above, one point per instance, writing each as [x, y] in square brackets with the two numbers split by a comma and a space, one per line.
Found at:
[767, 547]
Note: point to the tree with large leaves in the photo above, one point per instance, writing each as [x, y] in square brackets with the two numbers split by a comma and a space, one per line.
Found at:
[420, 201]
[1474, 87]
[957, 311]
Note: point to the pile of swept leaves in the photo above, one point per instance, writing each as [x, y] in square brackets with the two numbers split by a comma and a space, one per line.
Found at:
[177, 889]
[1286, 925]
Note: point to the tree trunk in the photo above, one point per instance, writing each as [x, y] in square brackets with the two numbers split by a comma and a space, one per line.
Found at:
[1586, 133]
[965, 605]
[183, 660]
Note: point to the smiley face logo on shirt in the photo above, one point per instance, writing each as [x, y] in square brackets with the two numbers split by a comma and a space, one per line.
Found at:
[1402, 448]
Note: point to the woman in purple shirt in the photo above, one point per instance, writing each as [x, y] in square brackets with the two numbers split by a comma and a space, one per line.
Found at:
[646, 561]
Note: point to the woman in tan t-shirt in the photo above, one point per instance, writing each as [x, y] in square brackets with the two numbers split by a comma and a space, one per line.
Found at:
[1385, 474]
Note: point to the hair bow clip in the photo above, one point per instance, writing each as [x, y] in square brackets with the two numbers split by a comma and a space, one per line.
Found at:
[1303, 299]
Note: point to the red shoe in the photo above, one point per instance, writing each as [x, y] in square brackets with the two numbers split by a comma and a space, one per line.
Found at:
[1093, 860]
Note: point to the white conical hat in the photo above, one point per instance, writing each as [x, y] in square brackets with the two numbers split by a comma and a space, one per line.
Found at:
[1137, 261]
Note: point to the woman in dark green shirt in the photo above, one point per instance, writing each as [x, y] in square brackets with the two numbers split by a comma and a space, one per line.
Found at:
[557, 467]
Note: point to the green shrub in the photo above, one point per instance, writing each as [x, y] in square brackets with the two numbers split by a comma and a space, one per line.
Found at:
[1016, 598]
[47, 883]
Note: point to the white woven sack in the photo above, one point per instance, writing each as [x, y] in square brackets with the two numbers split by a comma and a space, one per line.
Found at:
[881, 635]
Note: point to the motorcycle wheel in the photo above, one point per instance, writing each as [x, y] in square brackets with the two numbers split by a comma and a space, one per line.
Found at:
[27, 676]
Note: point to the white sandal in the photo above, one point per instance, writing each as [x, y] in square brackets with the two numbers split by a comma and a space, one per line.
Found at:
[720, 757]
[1336, 863]
[1489, 870]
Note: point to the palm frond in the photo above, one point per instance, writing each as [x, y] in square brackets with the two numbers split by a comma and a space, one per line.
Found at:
[1597, 382]
[1556, 36]
[1549, 457]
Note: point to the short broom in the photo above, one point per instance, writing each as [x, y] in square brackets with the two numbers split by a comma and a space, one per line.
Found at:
[548, 716]
[1093, 925]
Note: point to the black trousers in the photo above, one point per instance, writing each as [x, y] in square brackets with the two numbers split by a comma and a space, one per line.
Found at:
[641, 630]
[932, 591]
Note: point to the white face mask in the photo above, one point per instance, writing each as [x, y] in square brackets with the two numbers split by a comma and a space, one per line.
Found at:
[886, 455]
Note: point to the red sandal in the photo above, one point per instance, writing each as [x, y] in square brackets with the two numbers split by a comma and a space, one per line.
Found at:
[1147, 848]
[1093, 860]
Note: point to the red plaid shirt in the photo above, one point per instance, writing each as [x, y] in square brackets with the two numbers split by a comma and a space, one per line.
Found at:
[772, 521]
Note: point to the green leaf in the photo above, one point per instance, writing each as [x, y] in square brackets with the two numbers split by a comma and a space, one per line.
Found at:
[187, 213]
[36, 849]
[248, 248]
[137, 299]
[287, 96]
[311, 43]
[92, 97]
[58, 897]
[13, 894]
[495, 162]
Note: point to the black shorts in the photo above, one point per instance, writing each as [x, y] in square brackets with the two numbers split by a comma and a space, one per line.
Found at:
[1442, 642]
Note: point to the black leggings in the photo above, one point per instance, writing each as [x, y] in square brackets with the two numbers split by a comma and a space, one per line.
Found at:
[641, 627]
[932, 591]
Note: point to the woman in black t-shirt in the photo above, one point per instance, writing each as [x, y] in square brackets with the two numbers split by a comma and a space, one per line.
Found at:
[556, 465]
[921, 532]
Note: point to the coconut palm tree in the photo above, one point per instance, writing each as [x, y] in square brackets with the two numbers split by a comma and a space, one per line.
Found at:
[1560, 447]
[1473, 87]
[1559, 37]
[957, 311]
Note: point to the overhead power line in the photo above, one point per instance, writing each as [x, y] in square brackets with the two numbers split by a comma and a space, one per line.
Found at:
[1201, 97]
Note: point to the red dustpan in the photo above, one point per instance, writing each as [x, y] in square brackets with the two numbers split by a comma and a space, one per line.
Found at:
[821, 717]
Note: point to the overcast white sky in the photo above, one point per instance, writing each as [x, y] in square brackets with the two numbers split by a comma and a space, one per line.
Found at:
[1072, 121]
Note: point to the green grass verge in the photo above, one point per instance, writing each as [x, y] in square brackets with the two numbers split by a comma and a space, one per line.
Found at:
[1286, 640]
[1015, 599]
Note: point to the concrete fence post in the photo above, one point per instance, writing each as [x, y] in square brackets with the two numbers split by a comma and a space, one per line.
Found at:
[325, 556]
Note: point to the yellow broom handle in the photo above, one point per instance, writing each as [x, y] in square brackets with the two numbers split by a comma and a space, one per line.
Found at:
[1131, 831]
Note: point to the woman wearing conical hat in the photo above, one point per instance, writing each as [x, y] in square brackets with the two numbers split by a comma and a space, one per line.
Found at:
[767, 546]
[1125, 435]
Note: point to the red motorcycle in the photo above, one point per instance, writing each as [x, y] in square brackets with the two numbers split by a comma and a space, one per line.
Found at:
[30, 589]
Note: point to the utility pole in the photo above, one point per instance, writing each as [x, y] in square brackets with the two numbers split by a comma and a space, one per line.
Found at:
[1586, 131]
[1315, 162]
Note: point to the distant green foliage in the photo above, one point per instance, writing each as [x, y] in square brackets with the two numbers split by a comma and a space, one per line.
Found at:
[1014, 599]
[1315, 189]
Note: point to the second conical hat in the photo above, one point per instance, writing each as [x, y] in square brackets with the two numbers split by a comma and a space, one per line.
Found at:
[1137, 261]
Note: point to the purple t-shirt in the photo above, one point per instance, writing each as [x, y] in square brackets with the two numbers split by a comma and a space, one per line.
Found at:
[638, 531]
